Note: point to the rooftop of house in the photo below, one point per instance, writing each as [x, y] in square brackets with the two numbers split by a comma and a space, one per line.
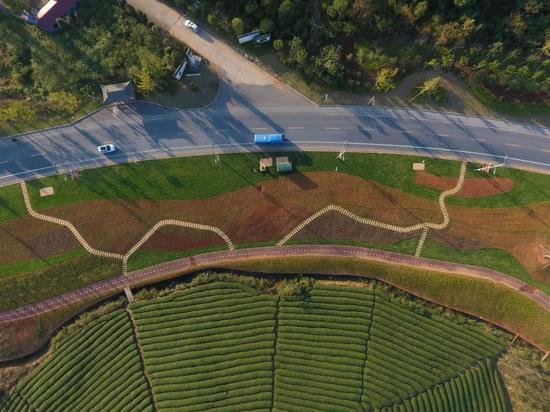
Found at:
[54, 9]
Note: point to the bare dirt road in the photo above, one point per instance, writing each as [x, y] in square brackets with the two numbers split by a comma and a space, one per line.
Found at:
[232, 65]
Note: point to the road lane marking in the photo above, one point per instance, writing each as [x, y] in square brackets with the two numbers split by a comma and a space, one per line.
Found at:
[5, 161]
[259, 128]
[38, 154]
[202, 147]
[295, 128]
[332, 128]
[458, 122]
[512, 145]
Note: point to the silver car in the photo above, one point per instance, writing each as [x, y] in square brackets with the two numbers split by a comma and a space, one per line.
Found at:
[192, 25]
[106, 148]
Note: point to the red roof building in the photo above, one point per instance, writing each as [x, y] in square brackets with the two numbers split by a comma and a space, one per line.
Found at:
[54, 9]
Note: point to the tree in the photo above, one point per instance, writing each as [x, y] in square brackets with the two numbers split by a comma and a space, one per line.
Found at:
[17, 111]
[267, 25]
[63, 102]
[145, 82]
[429, 88]
[330, 63]
[286, 13]
[385, 79]
[278, 44]
[238, 26]
[298, 53]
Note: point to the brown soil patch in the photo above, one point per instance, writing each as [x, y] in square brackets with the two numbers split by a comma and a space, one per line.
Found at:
[335, 226]
[247, 215]
[473, 186]
[29, 238]
[250, 215]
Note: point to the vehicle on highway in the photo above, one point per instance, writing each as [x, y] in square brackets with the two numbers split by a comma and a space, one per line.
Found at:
[106, 148]
[192, 25]
[269, 137]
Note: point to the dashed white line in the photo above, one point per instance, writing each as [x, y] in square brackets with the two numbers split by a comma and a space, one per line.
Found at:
[332, 128]
[295, 128]
[512, 145]
[38, 154]
[5, 161]
[259, 128]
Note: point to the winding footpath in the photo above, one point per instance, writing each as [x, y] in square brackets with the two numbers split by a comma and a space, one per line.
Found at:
[109, 287]
[124, 258]
[394, 228]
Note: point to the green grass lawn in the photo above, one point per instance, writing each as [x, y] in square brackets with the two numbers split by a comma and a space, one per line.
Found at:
[198, 177]
[34, 265]
[11, 203]
[46, 281]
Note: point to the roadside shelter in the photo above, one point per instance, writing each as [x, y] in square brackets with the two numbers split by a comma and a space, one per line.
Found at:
[119, 92]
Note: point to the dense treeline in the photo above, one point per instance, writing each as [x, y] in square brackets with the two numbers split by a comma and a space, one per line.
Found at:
[101, 42]
[503, 45]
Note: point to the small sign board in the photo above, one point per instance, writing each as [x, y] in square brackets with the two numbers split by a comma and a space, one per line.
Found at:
[180, 70]
[46, 191]
[419, 167]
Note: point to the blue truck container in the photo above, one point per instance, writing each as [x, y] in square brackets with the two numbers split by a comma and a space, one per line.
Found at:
[269, 138]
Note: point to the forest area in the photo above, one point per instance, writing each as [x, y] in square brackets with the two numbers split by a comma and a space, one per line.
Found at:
[500, 48]
[47, 77]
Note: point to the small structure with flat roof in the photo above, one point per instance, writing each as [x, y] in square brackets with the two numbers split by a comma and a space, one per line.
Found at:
[419, 167]
[46, 191]
[283, 164]
[119, 92]
[265, 163]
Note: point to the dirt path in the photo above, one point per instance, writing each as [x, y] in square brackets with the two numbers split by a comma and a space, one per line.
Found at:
[231, 64]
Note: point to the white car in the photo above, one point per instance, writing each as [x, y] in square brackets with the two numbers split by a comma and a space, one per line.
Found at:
[106, 148]
[191, 25]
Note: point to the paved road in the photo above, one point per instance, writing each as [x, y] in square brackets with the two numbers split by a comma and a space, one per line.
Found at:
[144, 131]
[252, 101]
[222, 259]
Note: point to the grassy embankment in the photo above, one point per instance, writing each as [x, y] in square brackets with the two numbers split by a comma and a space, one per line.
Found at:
[486, 300]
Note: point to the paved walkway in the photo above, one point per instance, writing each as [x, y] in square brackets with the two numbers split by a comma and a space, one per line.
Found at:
[108, 287]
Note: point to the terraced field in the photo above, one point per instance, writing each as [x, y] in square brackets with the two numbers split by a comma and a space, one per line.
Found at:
[210, 348]
[97, 369]
[226, 346]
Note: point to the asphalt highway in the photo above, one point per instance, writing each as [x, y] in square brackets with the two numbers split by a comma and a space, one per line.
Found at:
[143, 131]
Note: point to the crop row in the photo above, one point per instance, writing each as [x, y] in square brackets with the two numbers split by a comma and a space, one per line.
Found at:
[321, 349]
[408, 353]
[479, 389]
[97, 369]
[214, 350]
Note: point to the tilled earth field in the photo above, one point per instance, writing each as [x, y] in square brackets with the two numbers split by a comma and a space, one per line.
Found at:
[267, 212]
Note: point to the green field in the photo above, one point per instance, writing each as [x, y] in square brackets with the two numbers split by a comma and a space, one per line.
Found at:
[198, 178]
[97, 369]
[226, 346]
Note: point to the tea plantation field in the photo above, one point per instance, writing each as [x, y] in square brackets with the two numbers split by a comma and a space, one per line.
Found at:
[224, 346]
